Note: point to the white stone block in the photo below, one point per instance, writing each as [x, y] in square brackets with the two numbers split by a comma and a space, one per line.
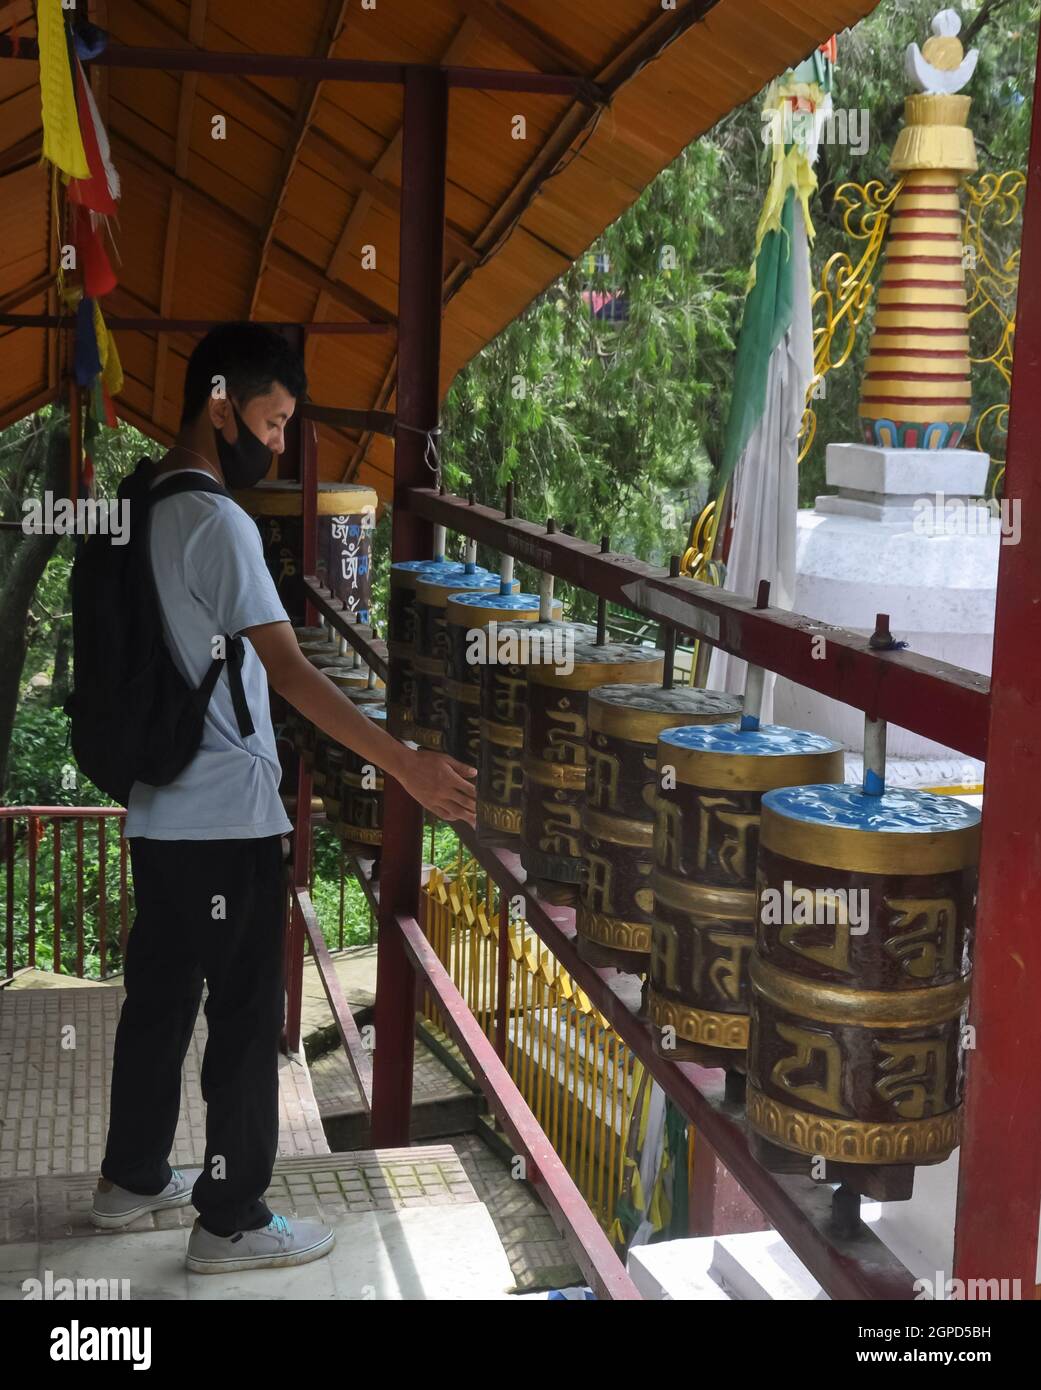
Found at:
[675, 1270]
[916, 472]
[759, 1266]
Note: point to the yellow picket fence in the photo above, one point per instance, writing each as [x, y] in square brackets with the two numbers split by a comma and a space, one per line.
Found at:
[575, 1073]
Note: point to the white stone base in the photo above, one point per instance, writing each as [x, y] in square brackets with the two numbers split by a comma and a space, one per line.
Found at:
[868, 551]
[912, 472]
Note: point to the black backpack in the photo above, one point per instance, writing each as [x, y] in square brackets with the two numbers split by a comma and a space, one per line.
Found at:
[134, 718]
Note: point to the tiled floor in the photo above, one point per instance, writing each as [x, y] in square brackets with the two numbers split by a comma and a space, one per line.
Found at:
[336, 1090]
[55, 1064]
[408, 1225]
[391, 1208]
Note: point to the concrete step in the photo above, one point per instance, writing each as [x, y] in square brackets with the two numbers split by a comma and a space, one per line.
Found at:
[408, 1222]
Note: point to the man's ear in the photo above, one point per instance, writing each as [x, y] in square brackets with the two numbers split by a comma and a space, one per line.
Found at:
[218, 410]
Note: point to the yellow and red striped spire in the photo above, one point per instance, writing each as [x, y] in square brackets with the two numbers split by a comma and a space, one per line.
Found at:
[916, 392]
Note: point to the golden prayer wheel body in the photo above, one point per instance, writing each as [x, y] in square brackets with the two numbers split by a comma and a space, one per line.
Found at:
[346, 515]
[860, 977]
[353, 792]
[473, 625]
[430, 659]
[615, 917]
[401, 637]
[504, 701]
[555, 730]
[706, 836]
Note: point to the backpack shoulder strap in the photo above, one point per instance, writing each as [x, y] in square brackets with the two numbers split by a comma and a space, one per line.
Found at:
[185, 480]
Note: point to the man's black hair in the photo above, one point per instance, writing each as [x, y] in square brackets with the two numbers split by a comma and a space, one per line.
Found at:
[250, 358]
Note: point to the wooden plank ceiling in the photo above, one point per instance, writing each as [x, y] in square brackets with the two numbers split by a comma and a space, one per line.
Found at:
[271, 222]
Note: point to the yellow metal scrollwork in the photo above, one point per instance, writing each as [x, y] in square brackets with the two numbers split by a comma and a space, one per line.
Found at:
[995, 201]
[845, 290]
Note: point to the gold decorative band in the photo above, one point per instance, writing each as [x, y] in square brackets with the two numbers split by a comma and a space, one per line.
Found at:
[426, 738]
[748, 773]
[644, 725]
[866, 851]
[853, 1141]
[466, 694]
[505, 735]
[587, 675]
[555, 774]
[613, 931]
[357, 779]
[428, 665]
[911, 413]
[286, 499]
[437, 595]
[617, 829]
[360, 835]
[704, 899]
[500, 817]
[698, 1025]
[857, 1008]
[465, 614]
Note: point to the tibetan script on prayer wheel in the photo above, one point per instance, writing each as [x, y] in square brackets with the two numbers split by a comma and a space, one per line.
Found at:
[430, 660]
[860, 976]
[504, 688]
[474, 622]
[614, 915]
[710, 783]
[401, 637]
[555, 750]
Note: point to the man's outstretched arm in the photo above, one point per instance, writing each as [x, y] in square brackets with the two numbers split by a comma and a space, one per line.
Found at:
[440, 783]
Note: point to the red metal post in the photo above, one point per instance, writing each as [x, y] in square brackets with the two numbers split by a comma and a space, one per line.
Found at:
[308, 474]
[1000, 1174]
[56, 866]
[424, 141]
[9, 925]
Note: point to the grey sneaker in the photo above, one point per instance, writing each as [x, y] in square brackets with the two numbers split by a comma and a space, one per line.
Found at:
[273, 1246]
[116, 1206]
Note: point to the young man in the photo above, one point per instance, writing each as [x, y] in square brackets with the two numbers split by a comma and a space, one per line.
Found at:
[206, 850]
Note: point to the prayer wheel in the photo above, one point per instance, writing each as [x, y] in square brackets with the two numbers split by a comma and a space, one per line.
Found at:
[473, 626]
[401, 637]
[504, 692]
[706, 835]
[860, 975]
[614, 917]
[308, 740]
[346, 516]
[430, 661]
[353, 792]
[554, 761]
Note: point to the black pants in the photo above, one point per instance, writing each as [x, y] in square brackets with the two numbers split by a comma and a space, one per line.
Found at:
[213, 910]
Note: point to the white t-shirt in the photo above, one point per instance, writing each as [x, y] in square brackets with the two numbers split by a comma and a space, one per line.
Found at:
[211, 578]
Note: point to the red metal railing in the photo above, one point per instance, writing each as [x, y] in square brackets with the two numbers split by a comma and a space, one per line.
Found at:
[58, 928]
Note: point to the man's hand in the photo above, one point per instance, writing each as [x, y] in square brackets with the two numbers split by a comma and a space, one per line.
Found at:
[436, 781]
[441, 784]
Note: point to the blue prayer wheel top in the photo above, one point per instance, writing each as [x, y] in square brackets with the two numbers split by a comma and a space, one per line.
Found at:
[516, 603]
[899, 811]
[727, 758]
[900, 831]
[768, 741]
[431, 566]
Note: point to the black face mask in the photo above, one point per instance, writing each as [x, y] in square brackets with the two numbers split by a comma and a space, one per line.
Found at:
[246, 461]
